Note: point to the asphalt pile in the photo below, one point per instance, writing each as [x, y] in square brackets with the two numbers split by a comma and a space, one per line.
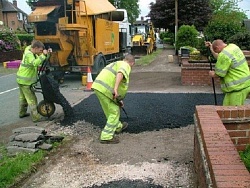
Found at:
[51, 92]
[148, 111]
[128, 183]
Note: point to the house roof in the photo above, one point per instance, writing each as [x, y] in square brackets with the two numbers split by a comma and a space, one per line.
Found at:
[9, 7]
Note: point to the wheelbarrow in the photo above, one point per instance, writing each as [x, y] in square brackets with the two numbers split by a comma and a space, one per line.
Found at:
[49, 88]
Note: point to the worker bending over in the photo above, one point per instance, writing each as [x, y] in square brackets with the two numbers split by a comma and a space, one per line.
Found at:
[233, 70]
[112, 84]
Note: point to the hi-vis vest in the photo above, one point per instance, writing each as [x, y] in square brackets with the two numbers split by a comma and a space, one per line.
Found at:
[232, 68]
[105, 81]
[27, 72]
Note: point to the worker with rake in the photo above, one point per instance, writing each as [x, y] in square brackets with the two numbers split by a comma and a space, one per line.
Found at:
[233, 70]
[110, 87]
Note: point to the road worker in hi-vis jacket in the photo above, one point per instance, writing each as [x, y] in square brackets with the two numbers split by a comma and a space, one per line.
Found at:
[110, 87]
[233, 70]
[27, 74]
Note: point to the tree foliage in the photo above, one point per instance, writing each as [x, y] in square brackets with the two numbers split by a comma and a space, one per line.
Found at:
[187, 36]
[131, 6]
[225, 6]
[242, 39]
[190, 12]
[226, 20]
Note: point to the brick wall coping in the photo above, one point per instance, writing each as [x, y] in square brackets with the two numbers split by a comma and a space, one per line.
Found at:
[224, 164]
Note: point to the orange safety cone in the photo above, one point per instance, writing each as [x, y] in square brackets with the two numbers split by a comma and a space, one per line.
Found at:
[89, 80]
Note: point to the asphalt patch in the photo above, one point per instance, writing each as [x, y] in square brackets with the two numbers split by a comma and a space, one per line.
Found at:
[148, 111]
[128, 183]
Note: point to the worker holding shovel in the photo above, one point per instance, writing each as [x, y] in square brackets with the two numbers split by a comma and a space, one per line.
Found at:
[233, 70]
[110, 87]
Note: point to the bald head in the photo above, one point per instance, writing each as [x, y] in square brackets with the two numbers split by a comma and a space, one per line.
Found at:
[218, 45]
[130, 59]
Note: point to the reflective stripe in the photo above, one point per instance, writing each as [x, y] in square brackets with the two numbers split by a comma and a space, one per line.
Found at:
[26, 65]
[220, 71]
[105, 85]
[113, 64]
[33, 79]
[233, 83]
[126, 84]
[109, 126]
[239, 63]
[125, 72]
[235, 62]
[108, 132]
[111, 70]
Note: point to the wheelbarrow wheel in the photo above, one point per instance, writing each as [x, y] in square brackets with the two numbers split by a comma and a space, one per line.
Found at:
[46, 108]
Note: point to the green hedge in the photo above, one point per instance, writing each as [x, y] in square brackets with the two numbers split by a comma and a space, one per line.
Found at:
[242, 39]
[187, 36]
[25, 39]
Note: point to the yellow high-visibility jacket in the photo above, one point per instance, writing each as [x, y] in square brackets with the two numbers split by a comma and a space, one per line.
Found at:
[105, 81]
[232, 68]
[27, 72]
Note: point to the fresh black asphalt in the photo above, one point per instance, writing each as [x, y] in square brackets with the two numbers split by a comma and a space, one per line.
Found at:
[148, 111]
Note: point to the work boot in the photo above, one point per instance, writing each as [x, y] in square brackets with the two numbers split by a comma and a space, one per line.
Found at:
[24, 115]
[40, 119]
[124, 126]
[114, 140]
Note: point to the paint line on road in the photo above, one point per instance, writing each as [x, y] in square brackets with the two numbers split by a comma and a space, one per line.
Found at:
[7, 75]
[8, 90]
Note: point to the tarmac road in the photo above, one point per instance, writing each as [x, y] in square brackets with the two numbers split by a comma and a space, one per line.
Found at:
[72, 89]
[8, 99]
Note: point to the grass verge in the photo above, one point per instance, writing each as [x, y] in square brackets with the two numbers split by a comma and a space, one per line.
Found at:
[14, 169]
[245, 157]
[147, 59]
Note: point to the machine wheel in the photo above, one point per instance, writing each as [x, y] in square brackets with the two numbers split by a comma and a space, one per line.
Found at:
[99, 64]
[46, 108]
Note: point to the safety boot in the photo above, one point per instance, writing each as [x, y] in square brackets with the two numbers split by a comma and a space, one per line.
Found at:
[40, 119]
[114, 140]
[124, 126]
[24, 115]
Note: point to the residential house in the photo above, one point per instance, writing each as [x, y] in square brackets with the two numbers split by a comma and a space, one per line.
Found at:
[11, 16]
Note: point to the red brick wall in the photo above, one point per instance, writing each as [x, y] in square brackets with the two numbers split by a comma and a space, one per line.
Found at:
[216, 159]
[196, 73]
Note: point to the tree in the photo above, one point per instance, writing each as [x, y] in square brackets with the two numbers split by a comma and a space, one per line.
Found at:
[225, 6]
[190, 12]
[187, 36]
[226, 20]
[131, 6]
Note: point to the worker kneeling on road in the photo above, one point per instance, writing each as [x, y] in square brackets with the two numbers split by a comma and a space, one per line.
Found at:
[110, 87]
[233, 70]
[33, 56]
